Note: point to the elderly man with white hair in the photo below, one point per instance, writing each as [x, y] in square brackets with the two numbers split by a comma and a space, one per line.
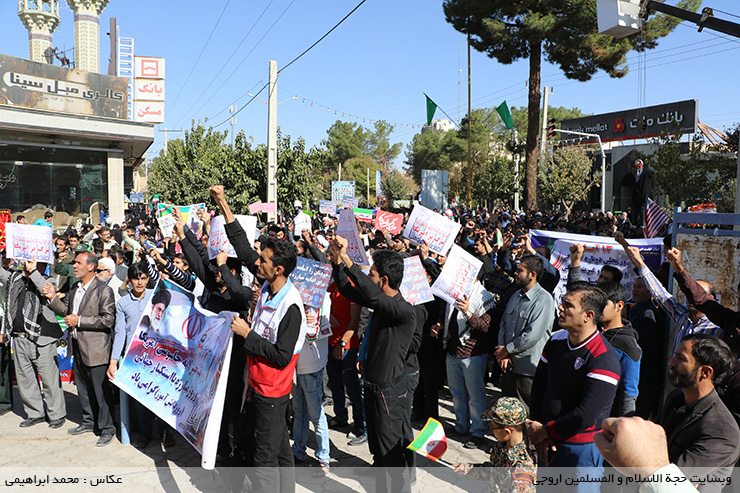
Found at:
[106, 272]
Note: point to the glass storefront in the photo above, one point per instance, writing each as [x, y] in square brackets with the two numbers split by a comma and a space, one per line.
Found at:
[67, 180]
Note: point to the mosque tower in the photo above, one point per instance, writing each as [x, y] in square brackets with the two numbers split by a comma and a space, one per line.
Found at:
[41, 18]
[87, 33]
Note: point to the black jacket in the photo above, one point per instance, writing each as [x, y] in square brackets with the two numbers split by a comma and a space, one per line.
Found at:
[701, 435]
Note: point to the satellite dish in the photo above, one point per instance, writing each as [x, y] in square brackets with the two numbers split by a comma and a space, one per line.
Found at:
[618, 18]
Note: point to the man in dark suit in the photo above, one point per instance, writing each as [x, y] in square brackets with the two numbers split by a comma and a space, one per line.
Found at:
[702, 434]
[89, 311]
[641, 191]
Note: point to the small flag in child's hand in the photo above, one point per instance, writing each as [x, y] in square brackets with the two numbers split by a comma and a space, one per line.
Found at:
[431, 442]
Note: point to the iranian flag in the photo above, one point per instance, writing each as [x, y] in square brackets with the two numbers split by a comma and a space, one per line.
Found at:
[431, 442]
[364, 215]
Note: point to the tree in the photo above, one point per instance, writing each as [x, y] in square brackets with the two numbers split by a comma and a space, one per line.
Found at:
[355, 169]
[568, 177]
[428, 151]
[345, 140]
[565, 31]
[491, 152]
[379, 145]
[191, 165]
[695, 177]
[495, 182]
[395, 186]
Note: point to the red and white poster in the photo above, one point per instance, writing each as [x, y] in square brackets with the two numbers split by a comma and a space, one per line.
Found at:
[389, 221]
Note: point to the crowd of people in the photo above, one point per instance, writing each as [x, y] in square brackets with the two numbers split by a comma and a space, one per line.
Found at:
[570, 371]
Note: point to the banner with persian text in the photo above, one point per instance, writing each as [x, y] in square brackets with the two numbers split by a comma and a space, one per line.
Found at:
[177, 365]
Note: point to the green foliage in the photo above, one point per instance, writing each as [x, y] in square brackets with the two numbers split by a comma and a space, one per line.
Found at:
[567, 34]
[568, 176]
[346, 140]
[520, 117]
[693, 178]
[202, 159]
[491, 157]
[379, 145]
[395, 186]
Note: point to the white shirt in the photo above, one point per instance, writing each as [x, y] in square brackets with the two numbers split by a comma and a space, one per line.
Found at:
[79, 294]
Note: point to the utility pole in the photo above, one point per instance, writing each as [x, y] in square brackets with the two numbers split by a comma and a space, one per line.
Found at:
[113, 62]
[543, 134]
[470, 121]
[272, 139]
[232, 121]
[368, 187]
[166, 135]
[516, 171]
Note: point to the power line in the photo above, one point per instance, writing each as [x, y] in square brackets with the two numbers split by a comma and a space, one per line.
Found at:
[295, 59]
[322, 37]
[245, 57]
[200, 55]
[227, 61]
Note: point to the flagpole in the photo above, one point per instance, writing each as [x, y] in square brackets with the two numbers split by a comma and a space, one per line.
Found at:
[470, 121]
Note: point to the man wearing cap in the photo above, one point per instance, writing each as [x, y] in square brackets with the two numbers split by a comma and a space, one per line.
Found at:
[106, 272]
[511, 466]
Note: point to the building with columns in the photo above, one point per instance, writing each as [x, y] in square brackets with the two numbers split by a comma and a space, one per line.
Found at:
[87, 33]
[65, 140]
[41, 18]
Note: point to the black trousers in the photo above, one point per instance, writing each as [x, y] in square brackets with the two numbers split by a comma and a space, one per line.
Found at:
[96, 396]
[412, 381]
[385, 408]
[432, 364]
[267, 445]
[6, 383]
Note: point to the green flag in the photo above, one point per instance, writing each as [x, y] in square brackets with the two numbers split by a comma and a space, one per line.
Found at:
[431, 108]
[503, 111]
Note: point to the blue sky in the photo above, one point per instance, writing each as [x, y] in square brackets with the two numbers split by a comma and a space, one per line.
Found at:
[376, 65]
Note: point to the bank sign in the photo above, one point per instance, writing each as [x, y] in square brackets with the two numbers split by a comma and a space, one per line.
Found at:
[675, 118]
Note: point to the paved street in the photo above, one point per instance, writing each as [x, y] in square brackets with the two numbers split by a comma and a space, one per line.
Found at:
[40, 454]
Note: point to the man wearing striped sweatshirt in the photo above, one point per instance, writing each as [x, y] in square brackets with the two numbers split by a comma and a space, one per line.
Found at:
[575, 384]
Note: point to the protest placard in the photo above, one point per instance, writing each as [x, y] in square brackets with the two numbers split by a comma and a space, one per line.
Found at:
[269, 207]
[347, 228]
[599, 251]
[189, 215]
[218, 240]
[415, 286]
[364, 215]
[311, 279]
[302, 221]
[389, 221]
[341, 189]
[177, 365]
[26, 242]
[255, 207]
[327, 207]
[4, 218]
[438, 231]
[458, 276]
[350, 202]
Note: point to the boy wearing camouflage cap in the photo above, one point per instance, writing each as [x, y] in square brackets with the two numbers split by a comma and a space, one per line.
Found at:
[512, 466]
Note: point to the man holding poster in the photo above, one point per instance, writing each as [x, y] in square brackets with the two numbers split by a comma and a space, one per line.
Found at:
[273, 343]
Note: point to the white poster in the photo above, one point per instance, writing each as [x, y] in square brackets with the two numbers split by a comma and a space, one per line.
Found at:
[27, 242]
[458, 275]
[177, 365]
[438, 231]
[218, 240]
[347, 228]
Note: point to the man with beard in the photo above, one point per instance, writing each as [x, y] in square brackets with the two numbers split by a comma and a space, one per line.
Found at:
[525, 328]
[702, 434]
